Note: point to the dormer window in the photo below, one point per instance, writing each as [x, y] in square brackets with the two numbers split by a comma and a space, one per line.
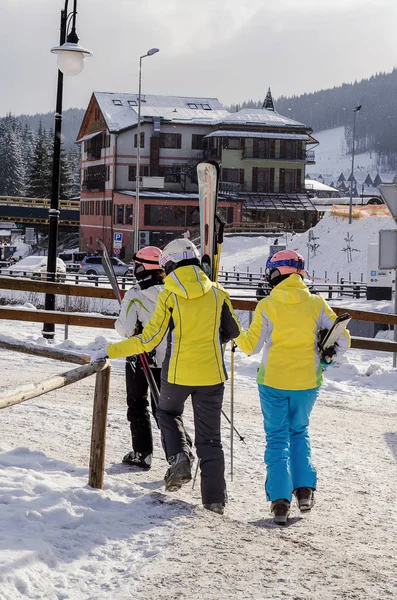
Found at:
[192, 105]
[206, 107]
[132, 103]
[117, 103]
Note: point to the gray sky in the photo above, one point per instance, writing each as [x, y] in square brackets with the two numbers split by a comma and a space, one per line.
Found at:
[230, 49]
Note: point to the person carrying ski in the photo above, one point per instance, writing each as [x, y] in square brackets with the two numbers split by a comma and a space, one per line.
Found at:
[196, 316]
[136, 309]
[287, 323]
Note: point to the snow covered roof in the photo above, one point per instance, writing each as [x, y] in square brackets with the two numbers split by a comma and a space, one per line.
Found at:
[257, 116]
[120, 111]
[317, 186]
[258, 134]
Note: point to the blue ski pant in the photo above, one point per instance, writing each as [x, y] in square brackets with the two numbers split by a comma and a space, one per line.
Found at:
[288, 455]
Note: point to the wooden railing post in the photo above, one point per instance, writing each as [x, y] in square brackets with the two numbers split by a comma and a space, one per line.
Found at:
[98, 433]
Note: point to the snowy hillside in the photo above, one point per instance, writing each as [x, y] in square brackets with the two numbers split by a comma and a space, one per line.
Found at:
[331, 233]
[332, 159]
[242, 252]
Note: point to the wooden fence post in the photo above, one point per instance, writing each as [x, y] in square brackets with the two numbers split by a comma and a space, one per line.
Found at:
[99, 423]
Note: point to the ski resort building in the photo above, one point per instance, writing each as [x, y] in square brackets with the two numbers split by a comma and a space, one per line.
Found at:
[263, 157]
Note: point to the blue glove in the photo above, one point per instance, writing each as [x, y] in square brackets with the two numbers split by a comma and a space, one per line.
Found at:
[99, 355]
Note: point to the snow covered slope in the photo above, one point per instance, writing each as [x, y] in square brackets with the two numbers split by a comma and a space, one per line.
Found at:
[242, 252]
[331, 233]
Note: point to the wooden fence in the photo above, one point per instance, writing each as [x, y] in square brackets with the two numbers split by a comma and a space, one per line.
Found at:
[101, 397]
[106, 322]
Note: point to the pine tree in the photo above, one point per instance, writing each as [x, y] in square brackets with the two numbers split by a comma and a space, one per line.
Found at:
[12, 172]
[39, 182]
[75, 170]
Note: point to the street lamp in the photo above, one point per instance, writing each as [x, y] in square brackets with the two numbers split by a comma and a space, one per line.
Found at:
[355, 111]
[71, 58]
[138, 153]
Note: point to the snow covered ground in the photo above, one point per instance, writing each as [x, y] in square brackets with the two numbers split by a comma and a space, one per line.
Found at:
[61, 540]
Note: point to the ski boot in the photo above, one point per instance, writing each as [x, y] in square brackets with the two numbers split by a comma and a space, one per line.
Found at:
[138, 459]
[215, 507]
[179, 472]
[305, 498]
[280, 509]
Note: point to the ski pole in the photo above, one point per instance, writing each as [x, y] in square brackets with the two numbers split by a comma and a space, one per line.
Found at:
[241, 438]
[232, 410]
[195, 473]
[108, 267]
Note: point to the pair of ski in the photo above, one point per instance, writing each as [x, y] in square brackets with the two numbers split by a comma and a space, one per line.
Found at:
[108, 267]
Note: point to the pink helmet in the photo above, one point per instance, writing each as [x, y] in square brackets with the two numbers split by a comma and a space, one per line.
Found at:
[147, 259]
[282, 263]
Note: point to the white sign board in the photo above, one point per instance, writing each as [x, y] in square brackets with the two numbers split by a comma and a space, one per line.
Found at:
[388, 249]
[117, 240]
[153, 182]
[376, 276]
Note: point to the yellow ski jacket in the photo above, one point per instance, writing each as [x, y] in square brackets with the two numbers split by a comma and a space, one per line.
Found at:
[287, 324]
[197, 316]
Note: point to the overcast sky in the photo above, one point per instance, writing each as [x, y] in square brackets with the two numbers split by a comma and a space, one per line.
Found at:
[229, 49]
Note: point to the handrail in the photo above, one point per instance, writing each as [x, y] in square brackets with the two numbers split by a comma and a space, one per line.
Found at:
[101, 399]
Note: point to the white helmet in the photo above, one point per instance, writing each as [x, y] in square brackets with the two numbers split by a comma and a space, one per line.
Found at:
[176, 252]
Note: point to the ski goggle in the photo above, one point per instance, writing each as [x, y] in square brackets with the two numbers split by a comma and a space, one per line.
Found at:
[299, 264]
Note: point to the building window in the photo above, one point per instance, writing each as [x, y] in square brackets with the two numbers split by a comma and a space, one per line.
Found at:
[206, 106]
[226, 214]
[263, 148]
[290, 181]
[171, 140]
[119, 214]
[107, 173]
[117, 103]
[262, 180]
[233, 175]
[132, 103]
[233, 143]
[92, 207]
[192, 105]
[291, 150]
[106, 140]
[169, 216]
[142, 140]
[128, 214]
[170, 174]
[143, 169]
[197, 141]
[97, 207]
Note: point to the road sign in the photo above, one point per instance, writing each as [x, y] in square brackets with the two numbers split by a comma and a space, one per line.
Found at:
[117, 240]
[116, 250]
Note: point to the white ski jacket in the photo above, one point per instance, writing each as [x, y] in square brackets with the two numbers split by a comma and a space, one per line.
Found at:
[138, 305]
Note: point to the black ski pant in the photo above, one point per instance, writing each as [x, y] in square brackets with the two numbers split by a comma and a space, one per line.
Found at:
[207, 407]
[138, 405]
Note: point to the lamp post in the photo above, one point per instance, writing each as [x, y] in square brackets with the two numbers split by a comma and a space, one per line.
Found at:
[138, 151]
[71, 58]
[355, 111]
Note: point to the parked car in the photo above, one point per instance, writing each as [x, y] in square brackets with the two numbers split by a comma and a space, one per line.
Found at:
[72, 260]
[92, 267]
[35, 267]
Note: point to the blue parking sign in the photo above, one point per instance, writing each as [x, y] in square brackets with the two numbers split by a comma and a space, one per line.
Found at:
[118, 237]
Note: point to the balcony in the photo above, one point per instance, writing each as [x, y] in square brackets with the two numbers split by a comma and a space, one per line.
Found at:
[227, 187]
[250, 154]
[90, 186]
[94, 154]
[310, 157]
